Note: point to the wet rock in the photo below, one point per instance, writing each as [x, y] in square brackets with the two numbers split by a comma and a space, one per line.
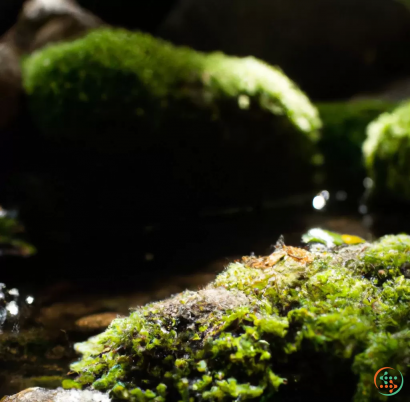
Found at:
[332, 49]
[396, 91]
[95, 321]
[59, 395]
[10, 85]
[386, 151]
[9, 10]
[43, 21]
[343, 135]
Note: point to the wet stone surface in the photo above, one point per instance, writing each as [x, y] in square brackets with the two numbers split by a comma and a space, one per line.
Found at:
[59, 395]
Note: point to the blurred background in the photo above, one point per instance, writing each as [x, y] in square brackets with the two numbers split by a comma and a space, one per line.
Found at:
[145, 145]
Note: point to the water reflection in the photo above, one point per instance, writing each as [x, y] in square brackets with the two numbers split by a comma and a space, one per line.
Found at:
[13, 308]
[320, 200]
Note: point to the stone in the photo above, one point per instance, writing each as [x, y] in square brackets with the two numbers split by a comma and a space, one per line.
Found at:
[207, 116]
[59, 395]
[95, 321]
[387, 151]
[10, 85]
[9, 10]
[395, 91]
[47, 21]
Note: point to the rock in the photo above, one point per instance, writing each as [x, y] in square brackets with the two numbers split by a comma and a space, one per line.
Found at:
[386, 152]
[10, 86]
[202, 124]
[332, 49]
[95, 321]
[343, 135]
[266, 328]
[9, 10]
[43, 21]
[396, 91]
[59, 395]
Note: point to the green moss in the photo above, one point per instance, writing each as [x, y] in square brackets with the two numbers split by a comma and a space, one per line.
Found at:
[386, 152]
[344, 131]
[151, 105]
[135, 80]
[11, 238]
[265, 334]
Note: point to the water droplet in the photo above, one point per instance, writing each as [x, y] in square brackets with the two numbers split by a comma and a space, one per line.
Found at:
[12, 308]
[319, 202]
[14, 292]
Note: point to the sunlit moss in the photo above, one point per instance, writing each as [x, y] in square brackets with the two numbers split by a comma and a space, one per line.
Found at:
[386, 151]
[265, 334]
[139, 82]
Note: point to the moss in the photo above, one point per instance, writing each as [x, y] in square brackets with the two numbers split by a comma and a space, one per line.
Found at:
[266, 333]
[152, 106]
[344, 131]
[11, 238]
[133, 77]
[386, 153]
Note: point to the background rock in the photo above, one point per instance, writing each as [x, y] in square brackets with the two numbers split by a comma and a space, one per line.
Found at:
[396, 91]
[332, 49]
[135, 131]
[10, 85]
[42, 22]
[9, 10]
[59, 395]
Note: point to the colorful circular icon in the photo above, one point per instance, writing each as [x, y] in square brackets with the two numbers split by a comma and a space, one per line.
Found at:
[388, 381]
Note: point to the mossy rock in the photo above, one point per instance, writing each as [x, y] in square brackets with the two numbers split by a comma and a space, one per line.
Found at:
[281, 327]
[130, 123]
[139, 84]
[344, 132]
[386, 150]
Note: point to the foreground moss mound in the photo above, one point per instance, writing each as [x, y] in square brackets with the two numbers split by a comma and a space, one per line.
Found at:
[387, 154]
[280, 327]
[344, 132]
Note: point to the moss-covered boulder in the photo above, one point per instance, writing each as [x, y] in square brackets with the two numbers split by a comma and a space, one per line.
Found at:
[133, 124]
[344, 132]
[386, 150]
[138, 85]
[281, 327]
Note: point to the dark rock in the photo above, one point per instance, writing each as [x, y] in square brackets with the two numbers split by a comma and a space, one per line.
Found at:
[9, 10]
[332, 49]
[143, 15]
[96, 321]
[10, 85]
[42, 22]
[59, 395]
[396, 91]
